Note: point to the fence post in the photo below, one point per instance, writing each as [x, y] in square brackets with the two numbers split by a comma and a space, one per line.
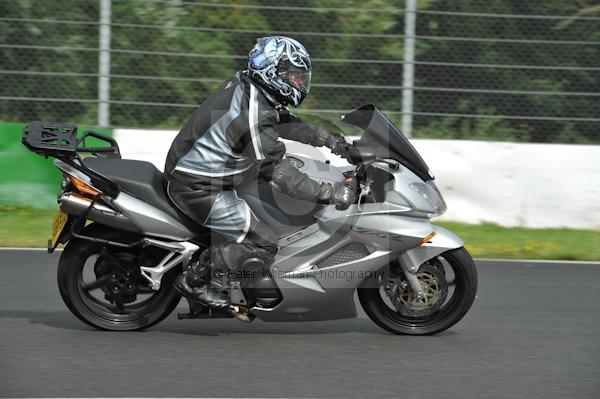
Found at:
[104, 64]
[408, 68]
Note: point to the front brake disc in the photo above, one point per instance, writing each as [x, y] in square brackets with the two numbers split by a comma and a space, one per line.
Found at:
[435, 290]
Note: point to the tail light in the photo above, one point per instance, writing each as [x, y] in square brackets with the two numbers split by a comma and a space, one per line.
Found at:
[82, 186]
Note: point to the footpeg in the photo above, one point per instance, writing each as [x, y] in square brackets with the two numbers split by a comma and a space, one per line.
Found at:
[241, 313]
[207, 315]
[199, 311]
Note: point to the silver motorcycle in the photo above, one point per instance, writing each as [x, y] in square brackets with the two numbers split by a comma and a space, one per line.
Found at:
[125, 241]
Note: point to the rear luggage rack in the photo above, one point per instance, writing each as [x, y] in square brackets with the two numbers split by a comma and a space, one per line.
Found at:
[56, 140]
[61, 141]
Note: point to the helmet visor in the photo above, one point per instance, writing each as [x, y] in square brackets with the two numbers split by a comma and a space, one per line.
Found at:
[296, 77]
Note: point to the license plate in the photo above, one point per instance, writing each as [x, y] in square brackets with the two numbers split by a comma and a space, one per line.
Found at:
[60, 220]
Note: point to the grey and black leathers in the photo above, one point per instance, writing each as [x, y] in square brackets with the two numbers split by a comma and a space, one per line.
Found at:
[232, 140]
[233, 136]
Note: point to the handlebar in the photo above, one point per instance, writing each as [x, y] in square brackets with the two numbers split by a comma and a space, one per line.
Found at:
[363, 157]
[361, 154]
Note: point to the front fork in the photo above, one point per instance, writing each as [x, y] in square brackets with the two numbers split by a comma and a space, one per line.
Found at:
[410, 271]
[410, 261]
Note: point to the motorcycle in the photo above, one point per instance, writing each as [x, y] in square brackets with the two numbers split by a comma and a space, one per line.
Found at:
[125, 241]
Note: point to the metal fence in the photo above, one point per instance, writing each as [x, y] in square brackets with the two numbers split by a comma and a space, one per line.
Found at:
[522, 71]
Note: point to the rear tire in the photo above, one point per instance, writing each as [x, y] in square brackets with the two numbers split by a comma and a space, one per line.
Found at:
[106, 316]
[450, 313]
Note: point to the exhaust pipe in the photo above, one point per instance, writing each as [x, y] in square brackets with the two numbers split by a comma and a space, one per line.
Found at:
[75, 204]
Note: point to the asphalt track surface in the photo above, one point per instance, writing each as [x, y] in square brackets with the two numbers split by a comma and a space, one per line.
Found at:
[533, 332]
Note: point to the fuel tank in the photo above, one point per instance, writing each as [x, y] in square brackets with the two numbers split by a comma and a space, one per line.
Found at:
[316, 170]
[285, 214]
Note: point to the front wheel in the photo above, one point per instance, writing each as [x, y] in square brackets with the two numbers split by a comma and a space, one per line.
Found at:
[450, 284]
[103, 286]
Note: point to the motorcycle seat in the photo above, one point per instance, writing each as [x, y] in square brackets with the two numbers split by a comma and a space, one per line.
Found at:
[142, 180]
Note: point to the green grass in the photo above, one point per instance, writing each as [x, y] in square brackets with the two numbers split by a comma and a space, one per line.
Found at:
[492, 241]
[24, 227]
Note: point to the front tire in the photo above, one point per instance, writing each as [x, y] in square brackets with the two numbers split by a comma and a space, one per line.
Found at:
[124, 313]
[452, 311]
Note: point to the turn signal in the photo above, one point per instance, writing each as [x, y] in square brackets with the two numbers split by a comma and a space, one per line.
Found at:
[83, 187]
[425, 239]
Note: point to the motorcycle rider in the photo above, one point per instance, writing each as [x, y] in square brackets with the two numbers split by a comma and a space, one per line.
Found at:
[232, 140]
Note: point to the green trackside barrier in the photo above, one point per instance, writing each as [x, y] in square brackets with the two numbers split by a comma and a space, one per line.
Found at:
[27, 179]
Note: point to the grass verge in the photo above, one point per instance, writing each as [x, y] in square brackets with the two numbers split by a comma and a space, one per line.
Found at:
[23, 227]
[489, 240]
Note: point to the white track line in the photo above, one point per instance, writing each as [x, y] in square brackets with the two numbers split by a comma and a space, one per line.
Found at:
[576, 262]
[27, 249]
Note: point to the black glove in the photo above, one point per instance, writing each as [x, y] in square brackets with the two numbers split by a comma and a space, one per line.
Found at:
[337, 145]
[334, 141]
[342, 194]
[340, 148]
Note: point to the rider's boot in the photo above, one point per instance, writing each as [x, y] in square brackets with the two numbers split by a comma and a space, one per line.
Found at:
[194, 283]
[210, 296]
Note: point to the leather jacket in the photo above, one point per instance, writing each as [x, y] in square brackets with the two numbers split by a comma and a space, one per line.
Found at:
[233, 137]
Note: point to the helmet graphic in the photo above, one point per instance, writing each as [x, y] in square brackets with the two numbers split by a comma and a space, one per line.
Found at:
[282, 66]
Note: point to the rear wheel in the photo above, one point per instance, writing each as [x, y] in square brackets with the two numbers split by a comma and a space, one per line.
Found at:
[449, 282]
[102, 285]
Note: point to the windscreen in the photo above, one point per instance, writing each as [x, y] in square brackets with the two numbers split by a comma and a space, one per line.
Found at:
[386, 140]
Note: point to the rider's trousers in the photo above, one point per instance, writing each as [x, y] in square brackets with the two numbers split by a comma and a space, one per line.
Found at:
[241, 233]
